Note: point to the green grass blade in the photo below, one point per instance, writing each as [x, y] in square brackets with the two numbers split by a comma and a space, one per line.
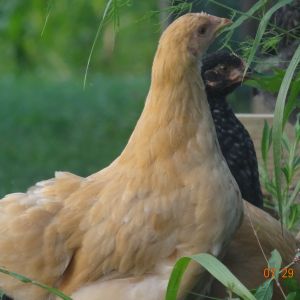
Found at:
[262, 28]
[295, 193]
[47, 16]
[266, 141]
[27, 280]
[105, 14]
[254, 8]
[278, 124]
[214, 267]
[293, 99]
[244, 16]
[292, 296]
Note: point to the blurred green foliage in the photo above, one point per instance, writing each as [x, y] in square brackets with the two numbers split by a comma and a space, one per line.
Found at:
[55, 37]
[50, 126]
[47, 121]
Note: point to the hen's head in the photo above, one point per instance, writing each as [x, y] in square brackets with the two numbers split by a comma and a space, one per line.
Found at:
[186, 39]
[222, 73]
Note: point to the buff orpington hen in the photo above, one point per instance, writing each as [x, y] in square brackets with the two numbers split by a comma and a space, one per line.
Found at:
[117, 233]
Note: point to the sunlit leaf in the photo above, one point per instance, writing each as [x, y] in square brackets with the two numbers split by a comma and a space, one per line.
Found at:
[265, 291]
[275, 262]
[214, 267]
[27, 280]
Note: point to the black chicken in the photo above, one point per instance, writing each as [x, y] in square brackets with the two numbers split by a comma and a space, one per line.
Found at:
[222, 73]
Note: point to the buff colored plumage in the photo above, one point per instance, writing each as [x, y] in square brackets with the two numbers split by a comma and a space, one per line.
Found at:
[117, 233]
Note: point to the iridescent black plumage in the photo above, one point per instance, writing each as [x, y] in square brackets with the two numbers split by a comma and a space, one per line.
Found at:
[222, 73]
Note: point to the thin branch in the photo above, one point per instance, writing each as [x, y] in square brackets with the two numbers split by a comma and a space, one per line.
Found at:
[256, 235]
[49, 8]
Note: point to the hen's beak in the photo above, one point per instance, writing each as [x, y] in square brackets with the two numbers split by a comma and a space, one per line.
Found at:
[221, 23]
[237, 75]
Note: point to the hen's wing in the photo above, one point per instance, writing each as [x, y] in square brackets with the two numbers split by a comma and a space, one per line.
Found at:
[133, 229]
[30, 241]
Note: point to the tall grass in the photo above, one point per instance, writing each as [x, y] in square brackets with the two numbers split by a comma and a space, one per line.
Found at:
[278, 125]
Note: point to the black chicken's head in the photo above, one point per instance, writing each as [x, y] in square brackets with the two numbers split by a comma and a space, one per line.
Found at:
[222, 73]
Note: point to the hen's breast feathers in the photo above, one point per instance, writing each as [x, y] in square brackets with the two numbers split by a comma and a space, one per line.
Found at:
[158, 192]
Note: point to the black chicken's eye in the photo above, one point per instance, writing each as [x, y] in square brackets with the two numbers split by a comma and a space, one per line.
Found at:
[202, 30]
[223, 67]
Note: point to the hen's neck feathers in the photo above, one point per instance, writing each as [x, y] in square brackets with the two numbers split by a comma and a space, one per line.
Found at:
[176, 112]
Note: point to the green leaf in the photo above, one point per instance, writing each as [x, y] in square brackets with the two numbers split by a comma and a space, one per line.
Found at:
[275, 262]
[293, 98]
[265, 291]
[294, 215]
[271, 83]
[268, 83]
[27, 280]
[266, 141]
[291, 284]
[296, 163]
[292, 296]
[297, 128]
[286, 141]
[295, 193]
[271, 188]
[287, 174]
[278, 124]
[262, 28]
[271, 43]
[213, 266]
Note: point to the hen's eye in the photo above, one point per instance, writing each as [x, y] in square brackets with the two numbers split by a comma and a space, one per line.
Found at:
[202, 30]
